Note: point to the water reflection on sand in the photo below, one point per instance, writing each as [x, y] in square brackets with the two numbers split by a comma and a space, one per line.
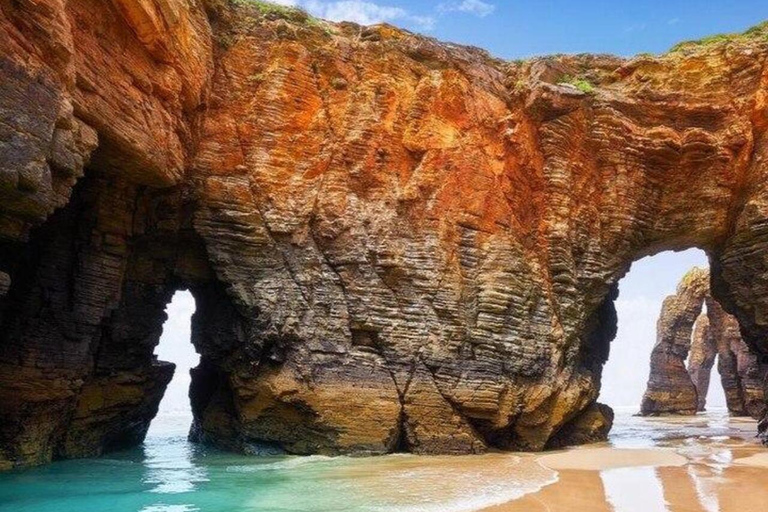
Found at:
[648, 489]
[724, 470]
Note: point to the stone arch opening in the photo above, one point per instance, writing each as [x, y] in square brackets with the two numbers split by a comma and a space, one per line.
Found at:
[641, 294]
[84, 312]
[707, 380]
[693, 331]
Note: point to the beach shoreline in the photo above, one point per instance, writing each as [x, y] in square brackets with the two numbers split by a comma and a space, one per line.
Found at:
[706, 463]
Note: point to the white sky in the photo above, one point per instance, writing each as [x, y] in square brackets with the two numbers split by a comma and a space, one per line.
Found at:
[176, 346]
[624, 377]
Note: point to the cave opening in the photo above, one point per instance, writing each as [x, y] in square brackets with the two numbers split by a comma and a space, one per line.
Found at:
[174, 415]
[88, 296]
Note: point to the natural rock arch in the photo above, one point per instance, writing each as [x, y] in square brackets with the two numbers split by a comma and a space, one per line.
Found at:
[394, 243]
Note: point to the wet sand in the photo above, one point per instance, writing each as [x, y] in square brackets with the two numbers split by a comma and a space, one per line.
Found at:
[694, 466]
[735, 490]
[759, 460]
[597, 459]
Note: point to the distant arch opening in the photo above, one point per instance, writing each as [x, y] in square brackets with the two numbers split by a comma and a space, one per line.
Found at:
[641, 295]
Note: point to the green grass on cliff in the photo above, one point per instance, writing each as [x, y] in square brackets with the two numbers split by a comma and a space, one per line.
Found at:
[581, 84]
[277, 11]
[758, 32]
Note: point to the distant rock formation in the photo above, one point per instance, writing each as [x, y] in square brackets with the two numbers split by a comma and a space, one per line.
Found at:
[701, 359]
[670, 388]
[742, 374]
[682, 330]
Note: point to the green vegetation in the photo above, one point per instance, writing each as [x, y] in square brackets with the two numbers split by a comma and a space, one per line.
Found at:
[581, 84]
[270, 10]
[761, 29]
[250, 15]
[757, 32]
[256, 78]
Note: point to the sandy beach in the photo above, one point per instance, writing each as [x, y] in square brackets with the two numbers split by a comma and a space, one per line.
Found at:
[603, 458]
[701, 472]
[677, 489]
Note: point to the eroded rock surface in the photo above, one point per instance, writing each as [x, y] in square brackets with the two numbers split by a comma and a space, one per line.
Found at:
[394, 243]
[742, 373]
[591, 426]
[701, 359]
[670, 388]
[673, 389]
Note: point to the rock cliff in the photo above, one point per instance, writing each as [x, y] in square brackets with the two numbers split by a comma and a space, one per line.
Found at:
[395, 244]
[742, 374]
[701, 359]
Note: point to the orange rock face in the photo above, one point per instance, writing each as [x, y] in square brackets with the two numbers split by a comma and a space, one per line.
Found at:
[394, 243]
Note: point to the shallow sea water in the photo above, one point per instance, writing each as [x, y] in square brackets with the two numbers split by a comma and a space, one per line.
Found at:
[167, 474]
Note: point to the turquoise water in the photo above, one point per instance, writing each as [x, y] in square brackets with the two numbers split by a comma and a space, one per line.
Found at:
[167, 474]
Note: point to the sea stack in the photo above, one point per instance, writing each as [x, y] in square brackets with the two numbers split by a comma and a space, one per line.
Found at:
[675, 389]
[670, 388]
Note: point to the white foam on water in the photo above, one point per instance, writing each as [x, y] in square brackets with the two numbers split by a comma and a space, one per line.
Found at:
[482, 496]
[408, 483]
[170, 508]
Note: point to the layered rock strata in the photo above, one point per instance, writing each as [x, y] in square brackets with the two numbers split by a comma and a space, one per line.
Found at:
[670, 388]
[395, 244]
[742, 373]
[688, 342]
[701, 359]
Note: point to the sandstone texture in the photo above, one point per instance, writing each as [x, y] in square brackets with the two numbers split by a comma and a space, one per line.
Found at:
[394, 244]
[742, 373]
[686, 333]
